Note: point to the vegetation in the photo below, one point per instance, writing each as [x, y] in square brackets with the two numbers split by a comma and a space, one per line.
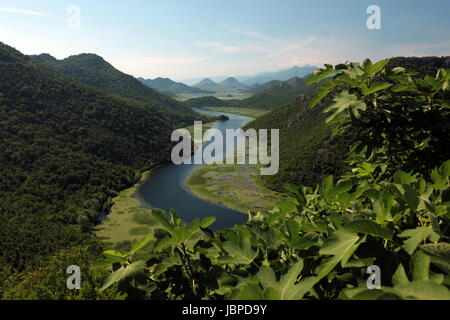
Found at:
[67, 150]
[246, 112]
[93, 70]
[126, 220]
[319, 243]
[234, 186]
[308, 150]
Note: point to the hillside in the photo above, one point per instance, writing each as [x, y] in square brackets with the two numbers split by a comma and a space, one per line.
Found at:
[95, 71]
[206, 84]
[278, 95]
[231, 84]
[210, 102]
[308, 152]
[67, 149]
[167, 86]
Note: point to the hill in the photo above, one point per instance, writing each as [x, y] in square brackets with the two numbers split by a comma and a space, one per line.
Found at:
[167, 86]
[210, 102]
[277, 95]
[257, 88]
[281, 75]
[206, 84]
[93, 70]
[67, 149]
[231, 84]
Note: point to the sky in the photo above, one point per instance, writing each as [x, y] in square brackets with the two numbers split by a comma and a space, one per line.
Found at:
[183, 39]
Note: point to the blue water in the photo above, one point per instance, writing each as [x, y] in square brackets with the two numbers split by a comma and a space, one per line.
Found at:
[165, 188]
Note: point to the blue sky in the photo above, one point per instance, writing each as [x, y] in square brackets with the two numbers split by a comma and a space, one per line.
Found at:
[184, 39]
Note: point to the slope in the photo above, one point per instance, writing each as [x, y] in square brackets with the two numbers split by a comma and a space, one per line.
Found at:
[67, 148]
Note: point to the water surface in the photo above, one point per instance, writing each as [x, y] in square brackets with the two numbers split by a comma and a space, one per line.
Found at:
[165, 187]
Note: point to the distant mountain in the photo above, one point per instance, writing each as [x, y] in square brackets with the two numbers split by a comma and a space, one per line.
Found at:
[93, 70]
[231, 84]
[206, 84]
[281, 75]
[257, 88]
[166, 85]
[276, 94]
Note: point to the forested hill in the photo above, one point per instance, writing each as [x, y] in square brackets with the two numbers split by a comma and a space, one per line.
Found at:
[308, 152]
[66, 148]
[278, 95]
[93, 70]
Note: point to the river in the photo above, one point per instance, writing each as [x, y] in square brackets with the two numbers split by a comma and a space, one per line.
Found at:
[165, 188]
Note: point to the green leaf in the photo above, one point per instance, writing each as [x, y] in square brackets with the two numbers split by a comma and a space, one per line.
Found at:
[341, 103]
[248, 291]
[137, 245]
[115, 256]
[239, 249]
[369, 227]
[377, 67]
[375, 87]
[400, 276]
[420, 266]
[287, 288]
[416, 237]
[439, 253]
[341, 247]
[423, 290]
[322, 92]
[124, 273]
[320, 75]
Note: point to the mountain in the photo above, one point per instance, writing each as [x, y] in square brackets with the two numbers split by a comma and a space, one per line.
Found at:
[67, 148]
[206, 84]
[257, 88]
[231, 84]
[281, 75]
[277, 95]
[165, 85]
[93, 70]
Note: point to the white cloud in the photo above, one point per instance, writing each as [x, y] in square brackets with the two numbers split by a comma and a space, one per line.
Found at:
[217, 47]
[26, 12]
[248, 33]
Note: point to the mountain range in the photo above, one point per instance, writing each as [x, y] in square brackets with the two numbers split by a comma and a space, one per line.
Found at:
[227, 84]
[170, 87]
[263, 77]
[267, 97]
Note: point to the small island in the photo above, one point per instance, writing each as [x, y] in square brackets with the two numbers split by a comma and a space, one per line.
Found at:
[223, 118]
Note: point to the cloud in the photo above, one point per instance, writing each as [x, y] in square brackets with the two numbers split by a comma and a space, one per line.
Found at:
[217, 47]
[26, 12]
[248, 33]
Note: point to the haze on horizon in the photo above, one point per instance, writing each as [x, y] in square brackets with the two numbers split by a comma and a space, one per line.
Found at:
[200, 38]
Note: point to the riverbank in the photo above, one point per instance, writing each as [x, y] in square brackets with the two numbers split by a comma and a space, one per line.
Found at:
[237, 187]
[127, 220]
[246, 112]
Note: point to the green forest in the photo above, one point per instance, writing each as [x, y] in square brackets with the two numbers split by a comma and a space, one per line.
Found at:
[365, 169]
